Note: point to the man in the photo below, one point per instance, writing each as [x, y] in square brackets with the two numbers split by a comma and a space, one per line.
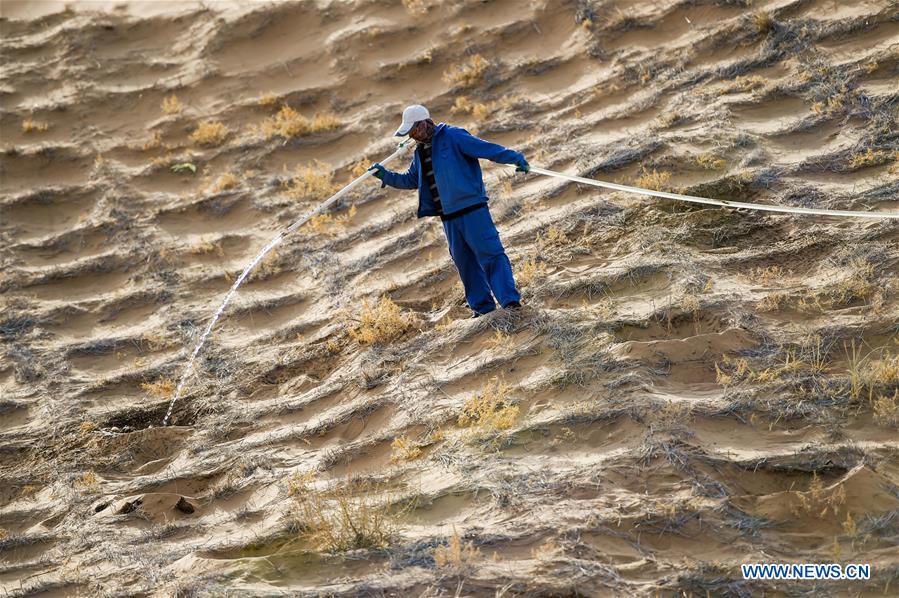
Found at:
[447, 174]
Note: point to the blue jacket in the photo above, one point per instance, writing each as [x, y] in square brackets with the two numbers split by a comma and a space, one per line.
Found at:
[454, 154]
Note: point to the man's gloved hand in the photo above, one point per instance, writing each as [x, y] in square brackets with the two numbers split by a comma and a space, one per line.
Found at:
[523, 166]
[379, 170]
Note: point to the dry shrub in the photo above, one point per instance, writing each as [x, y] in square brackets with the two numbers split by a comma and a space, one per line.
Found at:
[270, 265]
[529, 270]
[360, 168]
[341, 518]
[762, 21]
[171, 105]
[87, 481]
[810, 357]
[869, 375]
[468, 73]
[818, 500]
[710, 162]
[329, 223]
[163, 387]
[205, 246]
[404, 449]
[869, 158]
[154, 142]
[554, 237]
[481, 110]
[768, 274]
[381, 322]
[312, 182]
[226, 181]
[33, 126]
[289, 123]
[886, 410]
[463, 105]
[490, 410]
[862, 284]
[416, 7]
[210, 133]
[655, 180]
[268, 99]
[456, 556]
[621, 20]
[773, 301]
[744, 83]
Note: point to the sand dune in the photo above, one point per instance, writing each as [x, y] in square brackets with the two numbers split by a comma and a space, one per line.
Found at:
[687, 388]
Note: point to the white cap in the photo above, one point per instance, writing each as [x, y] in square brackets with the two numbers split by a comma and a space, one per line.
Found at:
[411, 115]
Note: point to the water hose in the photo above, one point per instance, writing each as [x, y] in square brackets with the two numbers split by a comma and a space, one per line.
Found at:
[271, 245]
[536, 170]
[714, 202]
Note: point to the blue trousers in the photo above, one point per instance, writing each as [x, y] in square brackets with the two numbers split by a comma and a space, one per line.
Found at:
[482, 263]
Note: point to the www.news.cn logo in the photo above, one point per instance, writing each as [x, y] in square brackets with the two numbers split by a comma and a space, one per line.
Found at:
[805, 571]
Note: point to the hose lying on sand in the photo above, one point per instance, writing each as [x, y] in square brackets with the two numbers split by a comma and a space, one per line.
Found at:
[663, 194]
[716, 202]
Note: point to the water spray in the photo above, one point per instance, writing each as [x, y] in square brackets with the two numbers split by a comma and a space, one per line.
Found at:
[246, 271]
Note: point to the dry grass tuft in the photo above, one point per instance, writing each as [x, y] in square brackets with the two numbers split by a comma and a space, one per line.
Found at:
[313, 182]
[205, 247]
[744, 83]
[862, 284]
[529, 270]
[769, 274]
[268, 99]
[458, 557]
[87, 481]
[226, 181]
[554, 237]
[886, 410]
[33, 126]
[381, 322]
[762, 21]
[404, 449]
[289, 123]
[416, 7]
[869, 376]
[817, 501]
[773, 301]
[210, 133]
[171, 105]
[710, 161]
[870, 158]
[655, 180]
[329, 224]
[622, 20]
[490, 410]
[164, 387]
[270, 265]
[480, 110]
[341, 518]
[468, 73]
[463, 105]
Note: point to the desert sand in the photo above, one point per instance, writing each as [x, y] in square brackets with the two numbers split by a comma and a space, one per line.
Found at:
[686, 389]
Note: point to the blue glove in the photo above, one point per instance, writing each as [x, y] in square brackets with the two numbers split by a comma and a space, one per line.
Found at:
[523, 166]
[380, 170]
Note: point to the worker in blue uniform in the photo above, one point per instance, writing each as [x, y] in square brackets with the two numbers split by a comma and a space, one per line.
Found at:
[447, 174]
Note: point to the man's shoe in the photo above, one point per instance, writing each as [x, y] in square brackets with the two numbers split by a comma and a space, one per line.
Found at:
[475, 314]
[512, 305]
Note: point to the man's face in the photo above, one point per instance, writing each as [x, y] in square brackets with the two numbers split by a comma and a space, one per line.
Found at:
[419, 130]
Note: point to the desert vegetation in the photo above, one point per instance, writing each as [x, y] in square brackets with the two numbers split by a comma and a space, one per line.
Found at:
[685, 389]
